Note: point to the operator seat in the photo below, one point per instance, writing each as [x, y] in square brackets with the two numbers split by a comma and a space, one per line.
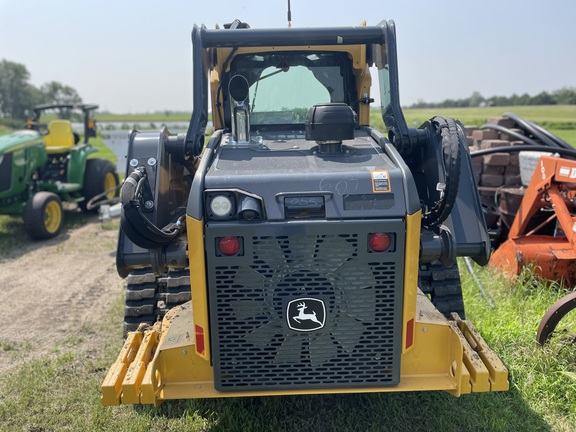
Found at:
[60, 138]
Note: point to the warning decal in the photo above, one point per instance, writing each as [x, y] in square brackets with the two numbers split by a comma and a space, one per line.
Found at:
[380, 181]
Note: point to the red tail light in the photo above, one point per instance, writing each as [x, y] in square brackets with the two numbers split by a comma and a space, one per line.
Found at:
[379, 242]
[229, 246]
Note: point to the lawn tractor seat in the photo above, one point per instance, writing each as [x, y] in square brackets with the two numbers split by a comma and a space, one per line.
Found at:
[60, 138]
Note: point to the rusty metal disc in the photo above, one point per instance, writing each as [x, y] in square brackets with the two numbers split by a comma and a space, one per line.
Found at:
[553, 316]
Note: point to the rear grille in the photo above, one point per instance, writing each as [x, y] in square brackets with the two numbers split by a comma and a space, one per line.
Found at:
[5, 171]
[312, 310]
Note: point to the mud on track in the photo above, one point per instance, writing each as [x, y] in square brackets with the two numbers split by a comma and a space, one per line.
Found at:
[50, 289]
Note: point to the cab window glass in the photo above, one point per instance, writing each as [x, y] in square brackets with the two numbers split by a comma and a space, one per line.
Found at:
[283, 86]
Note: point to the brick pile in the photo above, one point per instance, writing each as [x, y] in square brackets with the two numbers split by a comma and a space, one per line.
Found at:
[497, 170]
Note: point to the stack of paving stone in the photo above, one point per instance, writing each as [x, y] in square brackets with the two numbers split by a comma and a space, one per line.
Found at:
[497, 170]
[497, 174]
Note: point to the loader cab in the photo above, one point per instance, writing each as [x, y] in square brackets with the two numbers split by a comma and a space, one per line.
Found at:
[286, 77]
[283, 86]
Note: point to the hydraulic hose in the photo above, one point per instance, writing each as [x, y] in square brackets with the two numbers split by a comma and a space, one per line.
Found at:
[544, 140]
[96, 200]
[512, 133]
[561, 151]
[534, 130]
[134, 222]
[450, 137]
[557, 139]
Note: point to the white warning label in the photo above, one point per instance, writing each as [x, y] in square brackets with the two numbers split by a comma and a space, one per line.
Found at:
[380, 181]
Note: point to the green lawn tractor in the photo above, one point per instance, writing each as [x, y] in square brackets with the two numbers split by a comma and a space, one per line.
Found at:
[44, 165]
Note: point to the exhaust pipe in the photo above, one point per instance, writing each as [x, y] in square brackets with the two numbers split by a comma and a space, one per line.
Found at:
[238, 90]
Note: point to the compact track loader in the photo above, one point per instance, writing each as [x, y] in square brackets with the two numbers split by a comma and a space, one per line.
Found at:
[284, 255]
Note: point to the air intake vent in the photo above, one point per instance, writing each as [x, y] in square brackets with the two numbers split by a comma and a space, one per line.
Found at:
[307, 311]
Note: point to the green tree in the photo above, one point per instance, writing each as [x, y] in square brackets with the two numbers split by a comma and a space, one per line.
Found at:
[16, 94]
[543, 98]
[565, 96]
[476, 99]
[55, 92]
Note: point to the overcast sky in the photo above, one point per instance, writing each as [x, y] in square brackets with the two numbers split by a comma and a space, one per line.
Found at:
[135, 56]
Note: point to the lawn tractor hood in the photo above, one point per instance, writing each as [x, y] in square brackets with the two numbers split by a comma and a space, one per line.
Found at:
[21, 153]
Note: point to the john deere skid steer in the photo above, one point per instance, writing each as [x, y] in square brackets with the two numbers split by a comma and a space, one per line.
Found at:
[298, 231]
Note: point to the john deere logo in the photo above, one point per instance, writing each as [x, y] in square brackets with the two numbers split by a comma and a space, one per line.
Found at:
[306, 314]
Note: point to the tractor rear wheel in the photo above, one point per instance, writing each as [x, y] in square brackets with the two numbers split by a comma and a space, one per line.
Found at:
[100, 176]
[149, 297]
[442, 285]
[43, 215]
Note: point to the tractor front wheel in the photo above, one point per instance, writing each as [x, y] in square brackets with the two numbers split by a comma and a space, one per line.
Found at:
[43, 216]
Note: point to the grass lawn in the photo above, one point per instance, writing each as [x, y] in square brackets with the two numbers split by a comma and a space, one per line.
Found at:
[61, 391]
[104, 152]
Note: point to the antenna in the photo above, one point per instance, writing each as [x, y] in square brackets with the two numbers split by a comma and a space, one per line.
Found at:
[289, 15]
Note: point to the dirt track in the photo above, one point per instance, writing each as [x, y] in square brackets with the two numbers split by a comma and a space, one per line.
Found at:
[48, 289]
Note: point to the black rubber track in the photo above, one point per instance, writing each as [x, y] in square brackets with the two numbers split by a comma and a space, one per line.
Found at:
[442, 285]
[148, 297]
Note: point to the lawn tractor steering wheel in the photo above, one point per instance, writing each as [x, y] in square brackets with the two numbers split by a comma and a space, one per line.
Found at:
[441, 169]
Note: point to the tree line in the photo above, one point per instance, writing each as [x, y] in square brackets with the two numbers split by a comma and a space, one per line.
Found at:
[563, 96]
[18, 96]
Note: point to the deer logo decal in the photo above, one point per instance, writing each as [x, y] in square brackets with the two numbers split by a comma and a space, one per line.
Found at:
[306, 314]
